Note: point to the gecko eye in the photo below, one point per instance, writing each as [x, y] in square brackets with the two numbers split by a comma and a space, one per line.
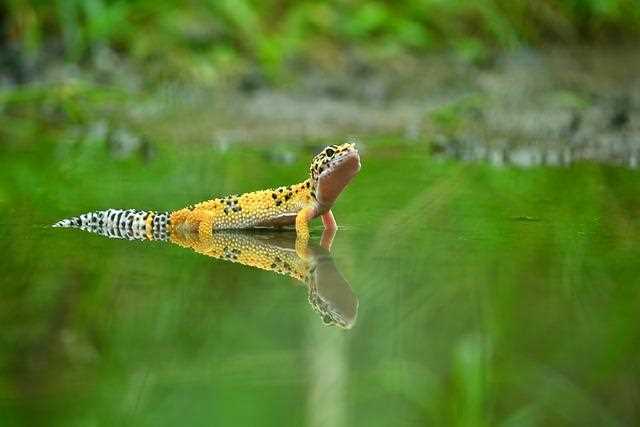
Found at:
[329, 152]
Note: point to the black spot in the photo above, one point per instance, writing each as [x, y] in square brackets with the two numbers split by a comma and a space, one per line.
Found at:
[287, 197]
[308, 184]
[280, 190]
[273, 266]
[278, 202]
[274, 195]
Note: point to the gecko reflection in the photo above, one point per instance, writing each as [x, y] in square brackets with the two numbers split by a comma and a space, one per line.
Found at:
[328, 292]
[280, 252]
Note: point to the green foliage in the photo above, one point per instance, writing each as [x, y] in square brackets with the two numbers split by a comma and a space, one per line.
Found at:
[452, 116]
[271, 34]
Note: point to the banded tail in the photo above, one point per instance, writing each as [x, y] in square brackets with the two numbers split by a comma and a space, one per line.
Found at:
[128, 224]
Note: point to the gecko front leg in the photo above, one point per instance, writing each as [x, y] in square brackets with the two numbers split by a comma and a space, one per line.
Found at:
[329, 221]
[330, 228]
[302, 230]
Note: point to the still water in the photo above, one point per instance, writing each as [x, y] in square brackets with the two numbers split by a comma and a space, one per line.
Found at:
[469, 295]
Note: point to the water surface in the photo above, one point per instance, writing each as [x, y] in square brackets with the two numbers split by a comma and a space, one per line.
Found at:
[486, 296]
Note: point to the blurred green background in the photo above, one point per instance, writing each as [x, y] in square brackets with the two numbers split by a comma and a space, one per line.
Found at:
[404, 68]
[203, 39]
[491, 236]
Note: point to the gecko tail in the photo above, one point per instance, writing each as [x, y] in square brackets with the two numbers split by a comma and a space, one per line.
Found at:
[128, 224]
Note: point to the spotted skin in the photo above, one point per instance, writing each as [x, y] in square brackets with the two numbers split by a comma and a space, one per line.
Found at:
[127, 224]
[280, 206]
[329, 173]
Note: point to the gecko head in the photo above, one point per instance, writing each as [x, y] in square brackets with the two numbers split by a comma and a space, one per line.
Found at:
[331, 170]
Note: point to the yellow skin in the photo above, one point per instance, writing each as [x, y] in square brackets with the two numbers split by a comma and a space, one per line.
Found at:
[330, 171]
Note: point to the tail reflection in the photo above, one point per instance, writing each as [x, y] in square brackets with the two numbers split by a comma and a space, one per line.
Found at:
[329, 293]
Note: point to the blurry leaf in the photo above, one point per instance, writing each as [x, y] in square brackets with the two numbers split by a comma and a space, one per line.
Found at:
[370, 17]
[69, 21]
[412, 34]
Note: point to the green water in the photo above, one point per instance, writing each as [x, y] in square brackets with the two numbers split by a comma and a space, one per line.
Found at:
[487, 296]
